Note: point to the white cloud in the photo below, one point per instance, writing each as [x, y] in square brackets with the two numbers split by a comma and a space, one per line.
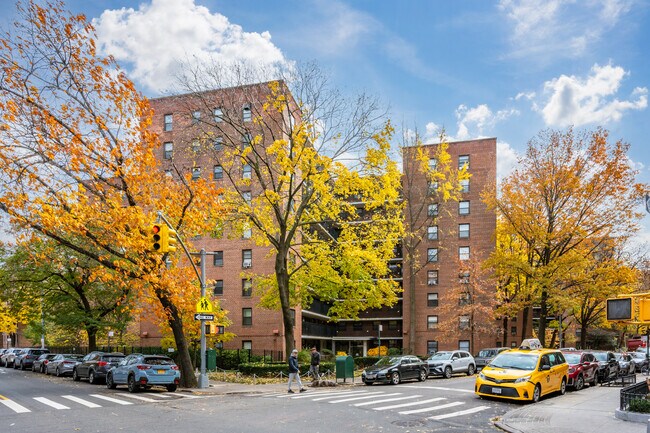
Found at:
[560, 27]
[476, 122]
[525, 95]
[507, 159]
[579, 101]
[154, 39]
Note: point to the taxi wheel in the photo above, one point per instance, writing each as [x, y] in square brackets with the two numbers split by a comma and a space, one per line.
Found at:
[580, 383]
[537, 393]
[563, 386]
[395, 379]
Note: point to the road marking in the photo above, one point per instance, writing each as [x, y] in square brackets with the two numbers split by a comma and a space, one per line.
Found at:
[442, 388]
[334, 396]
[318, 394]
[162, 395]
[386, 400]
[459, 413]
[51, 403]
[170, 394]
[114, 400]
[415, 403]
[368, 395]
[429, 409]
[81, 401]
[137, 397]
[14, 406]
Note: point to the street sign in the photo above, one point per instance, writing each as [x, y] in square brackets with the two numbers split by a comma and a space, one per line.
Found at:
[203, 316]
[204, 305]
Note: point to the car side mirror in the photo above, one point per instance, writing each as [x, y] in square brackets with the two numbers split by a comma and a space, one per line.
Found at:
[545, 367]
[586, 363]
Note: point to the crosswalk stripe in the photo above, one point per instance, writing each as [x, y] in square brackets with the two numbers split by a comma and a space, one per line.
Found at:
[441, 388]
[81, 401]
[363, 397]
[51, 403]
[319, 394]
[137, 397]
[15, 406]
[334, 396]
[460, 412]
[432, 408]
[114, 400]
[386, 400]
[415, 403]
[163, 395]
[178, 394]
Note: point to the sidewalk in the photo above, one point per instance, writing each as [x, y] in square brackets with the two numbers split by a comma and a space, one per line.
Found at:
[587, 411]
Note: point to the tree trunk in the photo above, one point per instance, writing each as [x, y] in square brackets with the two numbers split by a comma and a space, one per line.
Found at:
[412, 322]
[92, 338]
[505, 331]
[583, 335]
[524, 325]
[541, 334]
[188, 378]
[553, 336]
[282, 278]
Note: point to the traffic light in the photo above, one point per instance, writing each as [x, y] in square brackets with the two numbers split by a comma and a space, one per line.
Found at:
[155, 237]
[644, 310]
[619, 309]
[168, 240]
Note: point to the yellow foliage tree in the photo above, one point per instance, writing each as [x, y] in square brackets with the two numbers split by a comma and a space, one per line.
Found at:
[78, 164]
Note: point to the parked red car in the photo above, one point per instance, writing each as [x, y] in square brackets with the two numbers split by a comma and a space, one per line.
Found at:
[635, 342]
[583, 368]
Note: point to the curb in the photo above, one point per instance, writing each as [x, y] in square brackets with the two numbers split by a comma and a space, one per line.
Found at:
[505, 427]
[641, 418]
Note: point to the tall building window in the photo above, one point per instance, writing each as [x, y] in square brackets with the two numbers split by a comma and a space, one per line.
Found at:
[432, 347]
[246, 140]
[464, 185]
[217, 172]
[463, 322]
[247, 197]
[246, 171]
[463, 160]
[433, 186]
[392, 325]
[196, 173]
[247, 114]
[463, 277]
[433, 163]
[513, 331]
[432, 278]
[246, 287]
[463, 231]
[218, 287]
[463, 207]
[465, 298]
[432, 233]
[463, 345]
[247, 258]
[217, 258]
[218, 143]
[432, 322]
[196, 146]
[357, 326]
[463, 253]
[247, 345]
[196, 117]
[432, 255]
[169, 150]
[432, 299]
[218, 114]
[169, 119]
[247, 232]
[432, 210]
[292, 314]
[246, 316]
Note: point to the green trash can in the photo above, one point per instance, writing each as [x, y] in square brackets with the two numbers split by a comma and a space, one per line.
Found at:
[211, 359]
[344, 368]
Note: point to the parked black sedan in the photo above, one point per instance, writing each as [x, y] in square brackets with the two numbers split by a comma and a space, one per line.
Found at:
[95, 365]
[608, 366]
[394, 369]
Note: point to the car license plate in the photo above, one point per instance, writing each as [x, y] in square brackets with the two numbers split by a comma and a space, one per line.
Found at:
[370, 376]
[496, 390]
[161, 371]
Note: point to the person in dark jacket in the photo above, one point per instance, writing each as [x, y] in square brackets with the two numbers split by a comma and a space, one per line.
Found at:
[294, 371]
[315, 364]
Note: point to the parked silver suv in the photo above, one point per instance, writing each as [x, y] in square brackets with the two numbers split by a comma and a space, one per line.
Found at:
[484, 356]
[446, 363]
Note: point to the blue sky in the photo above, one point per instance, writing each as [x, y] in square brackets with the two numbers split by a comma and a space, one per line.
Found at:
[505, 68]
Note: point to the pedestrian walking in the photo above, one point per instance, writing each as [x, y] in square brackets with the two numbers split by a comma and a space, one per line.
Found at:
[294, 371]
[314, 368]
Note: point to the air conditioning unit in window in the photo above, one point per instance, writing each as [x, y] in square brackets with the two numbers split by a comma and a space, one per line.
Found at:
[247, 263]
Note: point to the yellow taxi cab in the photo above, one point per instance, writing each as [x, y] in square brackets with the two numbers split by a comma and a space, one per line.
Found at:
[523, 374]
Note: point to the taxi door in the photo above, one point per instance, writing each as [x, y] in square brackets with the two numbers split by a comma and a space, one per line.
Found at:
[556, 371]
[546, 380]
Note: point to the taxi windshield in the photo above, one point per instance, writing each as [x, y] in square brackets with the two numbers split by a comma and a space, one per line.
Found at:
[518, 361]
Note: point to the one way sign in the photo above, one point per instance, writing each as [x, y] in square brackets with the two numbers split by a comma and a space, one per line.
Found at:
[201, 316]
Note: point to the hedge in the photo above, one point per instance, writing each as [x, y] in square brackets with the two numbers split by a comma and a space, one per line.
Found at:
[271, 370]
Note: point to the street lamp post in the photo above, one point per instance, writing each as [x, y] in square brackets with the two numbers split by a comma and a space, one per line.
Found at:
[379, 341]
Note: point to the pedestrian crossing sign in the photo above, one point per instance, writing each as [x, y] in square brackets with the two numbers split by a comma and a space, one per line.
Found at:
[204, 305]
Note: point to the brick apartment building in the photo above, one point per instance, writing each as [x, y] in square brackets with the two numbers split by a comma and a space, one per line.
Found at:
[187, 147]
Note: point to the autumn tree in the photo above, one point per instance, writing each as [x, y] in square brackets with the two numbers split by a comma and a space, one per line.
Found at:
[77, 163]
[320, 190]
[570, 189]
[432, 163]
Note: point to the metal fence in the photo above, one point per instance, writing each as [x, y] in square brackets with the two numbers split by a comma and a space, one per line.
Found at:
[633, 392]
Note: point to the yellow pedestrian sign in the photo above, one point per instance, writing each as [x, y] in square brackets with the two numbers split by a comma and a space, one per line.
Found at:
[204, 305]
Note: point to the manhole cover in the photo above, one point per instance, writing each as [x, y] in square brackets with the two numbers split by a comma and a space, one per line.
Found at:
[410, 423]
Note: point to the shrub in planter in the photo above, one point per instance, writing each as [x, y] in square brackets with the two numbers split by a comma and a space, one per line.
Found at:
[640, 405]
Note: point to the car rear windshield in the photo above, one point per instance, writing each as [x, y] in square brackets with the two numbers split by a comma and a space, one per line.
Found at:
[74, 357]
[518, 361]
[39, 351]
[158, 361]
[487, 353]
[112, 358]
